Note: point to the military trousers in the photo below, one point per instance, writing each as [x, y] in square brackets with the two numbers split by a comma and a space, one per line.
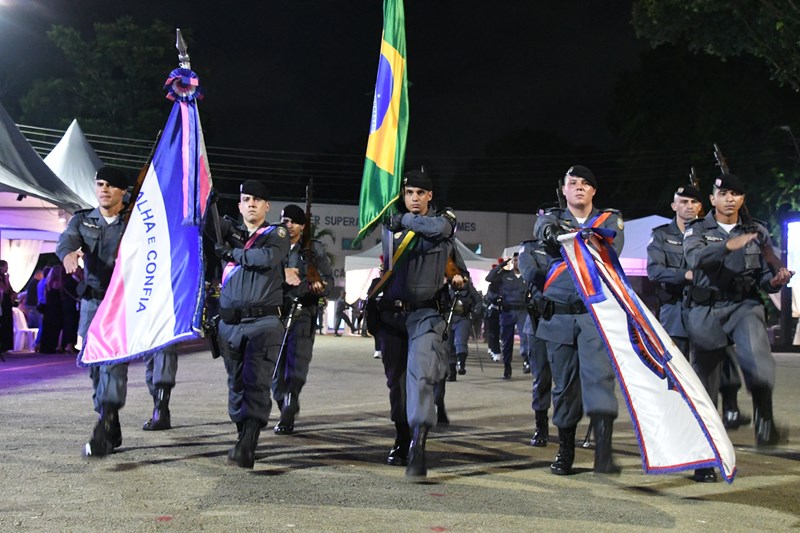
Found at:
[160, 370]
[296, 360]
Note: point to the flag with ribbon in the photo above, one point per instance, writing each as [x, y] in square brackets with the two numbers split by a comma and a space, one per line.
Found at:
[676, 424]
[155, 296]
[386, 147]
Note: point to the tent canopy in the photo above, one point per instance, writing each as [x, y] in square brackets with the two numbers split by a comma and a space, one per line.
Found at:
[75, 163]
[361, 269]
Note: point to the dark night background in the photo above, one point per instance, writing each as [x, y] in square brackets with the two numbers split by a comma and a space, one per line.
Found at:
[504, 96]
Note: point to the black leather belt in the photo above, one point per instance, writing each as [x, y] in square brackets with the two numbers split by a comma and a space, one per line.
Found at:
[399, 305]
[234, 316]
[90, 293]
[548, 308]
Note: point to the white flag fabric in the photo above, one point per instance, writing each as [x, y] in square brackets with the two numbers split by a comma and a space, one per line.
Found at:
[676, 424]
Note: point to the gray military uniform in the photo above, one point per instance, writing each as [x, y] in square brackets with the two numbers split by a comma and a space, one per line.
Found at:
[250, 329]
[725, 307]
[99, 240]
[533, 265]
[412, 327]
[582, 372]
[300, 342]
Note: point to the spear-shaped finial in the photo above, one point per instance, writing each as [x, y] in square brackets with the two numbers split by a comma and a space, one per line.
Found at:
[183, 53]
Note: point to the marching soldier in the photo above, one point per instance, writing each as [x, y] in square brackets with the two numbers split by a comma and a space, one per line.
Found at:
[411, 324]
[301, 294]
[250, 308]
[513, 310]
[578, 359]
[725, 251]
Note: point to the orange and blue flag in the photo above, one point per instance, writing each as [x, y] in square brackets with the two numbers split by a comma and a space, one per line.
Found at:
[386, 148]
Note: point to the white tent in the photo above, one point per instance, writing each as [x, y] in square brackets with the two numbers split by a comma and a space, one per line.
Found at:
[634, 253]
[31, 198]
[75, 163]
[361, 269]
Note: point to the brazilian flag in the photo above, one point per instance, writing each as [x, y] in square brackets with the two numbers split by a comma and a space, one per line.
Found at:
[386, 148]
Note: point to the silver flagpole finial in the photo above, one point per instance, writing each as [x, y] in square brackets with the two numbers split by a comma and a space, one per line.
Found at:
[183, 53]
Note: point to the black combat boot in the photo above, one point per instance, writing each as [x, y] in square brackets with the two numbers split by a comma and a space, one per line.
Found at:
[766, 432]
[441, 412]
[462, 363]
[542, 432]
[160, 419]
[704, 475]
[603, 460]
[562, 466]
[451, 373]
[398, 455]
[526, 367]
[116, 433]
[244, 452]
[416, 453]
[289, 409]
[506, 371]
[103, 438]
[732, 418]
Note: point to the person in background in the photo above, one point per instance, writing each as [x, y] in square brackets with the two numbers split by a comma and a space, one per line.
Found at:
[7, 297]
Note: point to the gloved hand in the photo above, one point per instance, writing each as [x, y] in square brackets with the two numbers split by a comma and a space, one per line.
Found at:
[223, 251]
[550, 235]
[395, 223]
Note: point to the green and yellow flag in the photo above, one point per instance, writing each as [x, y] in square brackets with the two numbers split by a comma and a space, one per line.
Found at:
[386, 148]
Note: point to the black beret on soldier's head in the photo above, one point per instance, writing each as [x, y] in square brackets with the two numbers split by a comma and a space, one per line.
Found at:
[294, 213]
[580, 171]
[419, 179]
[689, 191]
[254, 188]
[113, 176]
[730, 182]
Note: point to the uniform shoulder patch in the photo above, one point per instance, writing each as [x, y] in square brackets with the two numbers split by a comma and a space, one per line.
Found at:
[620, 223]
[282, 233]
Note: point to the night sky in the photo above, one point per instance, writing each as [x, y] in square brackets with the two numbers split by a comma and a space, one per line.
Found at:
[298, 75]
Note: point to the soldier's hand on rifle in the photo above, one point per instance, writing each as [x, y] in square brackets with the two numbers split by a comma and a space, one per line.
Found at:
[224, 252]
[781, 277]
[292, 276]
[740, 241]
[317, 287]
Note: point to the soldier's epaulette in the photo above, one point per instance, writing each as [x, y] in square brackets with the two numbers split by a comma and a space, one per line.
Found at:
[449, 214]
[555, 210]
[662, 226]
[529, 241]
[693, 222]
[762, 222]
[83, 211]
[615, 211]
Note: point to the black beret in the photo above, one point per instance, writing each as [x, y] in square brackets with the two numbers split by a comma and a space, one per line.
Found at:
[255, 189]
[419, 179]
[295, 213]
[580, 171]
[730, 182]
[689, 191]
[113, 176]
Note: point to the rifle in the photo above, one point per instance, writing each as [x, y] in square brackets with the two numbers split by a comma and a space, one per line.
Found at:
[562, 202]
[296, 306]
[307, 252]
[773, 262]
[694, 181]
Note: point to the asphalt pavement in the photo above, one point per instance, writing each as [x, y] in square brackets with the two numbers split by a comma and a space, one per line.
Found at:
[330, 475]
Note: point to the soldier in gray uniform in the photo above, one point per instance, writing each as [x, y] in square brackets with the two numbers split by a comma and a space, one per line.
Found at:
[301, 293]
[411, 324]
[724, 251]
[533, 265]
[94, 235]
[250, 327]
[465, 299]
[513, 310]
[582, 372]
[667, 266]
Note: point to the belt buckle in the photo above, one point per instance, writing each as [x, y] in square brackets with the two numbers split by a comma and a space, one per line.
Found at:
[398, 304]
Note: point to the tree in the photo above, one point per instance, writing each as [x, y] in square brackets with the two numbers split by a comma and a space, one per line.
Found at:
[765, 29]
[112, 84]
